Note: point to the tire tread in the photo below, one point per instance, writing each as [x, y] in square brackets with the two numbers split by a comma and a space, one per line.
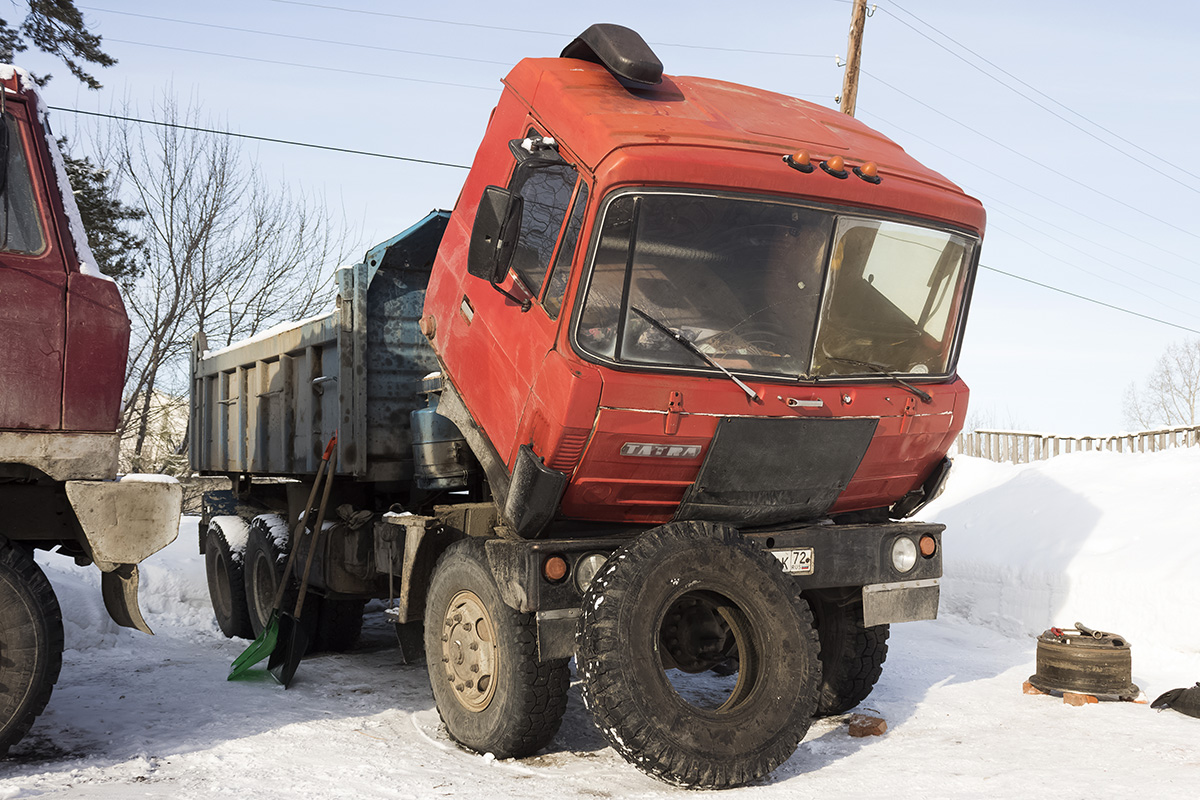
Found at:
[27, 574]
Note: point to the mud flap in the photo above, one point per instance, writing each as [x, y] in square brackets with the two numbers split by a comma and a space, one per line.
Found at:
[533, 495]
[120, 590]
[908, 601]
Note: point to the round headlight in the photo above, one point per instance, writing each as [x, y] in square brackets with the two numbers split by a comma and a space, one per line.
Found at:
[904, 554]
[587, 568]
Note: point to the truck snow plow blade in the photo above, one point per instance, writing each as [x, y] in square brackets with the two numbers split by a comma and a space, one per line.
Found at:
[124, 522]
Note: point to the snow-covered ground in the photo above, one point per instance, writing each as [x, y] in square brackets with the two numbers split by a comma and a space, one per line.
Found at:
[1109, 540]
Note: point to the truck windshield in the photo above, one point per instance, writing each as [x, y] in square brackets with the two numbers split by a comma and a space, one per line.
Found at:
[768, 287]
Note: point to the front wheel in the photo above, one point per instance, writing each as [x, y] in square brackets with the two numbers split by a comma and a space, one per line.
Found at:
[665, 613]
[491, 691]
[31, 642]
[852, 654]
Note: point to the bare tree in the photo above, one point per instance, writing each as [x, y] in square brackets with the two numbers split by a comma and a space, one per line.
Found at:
[226, 254]
[1171, 395]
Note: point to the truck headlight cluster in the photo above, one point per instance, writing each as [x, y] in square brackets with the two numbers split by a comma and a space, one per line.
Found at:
[587, 568]
[904, 554]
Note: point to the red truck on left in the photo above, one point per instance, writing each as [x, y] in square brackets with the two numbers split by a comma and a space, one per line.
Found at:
[64, 340]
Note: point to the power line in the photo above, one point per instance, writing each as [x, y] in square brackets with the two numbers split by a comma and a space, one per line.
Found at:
[270, 139]
[557, 34]
[1095, 275]
[1043, 94]
[1043, 165]
[1089, 299]
[320, 67]
[277, 34]
[1119, 230]
[997, 205]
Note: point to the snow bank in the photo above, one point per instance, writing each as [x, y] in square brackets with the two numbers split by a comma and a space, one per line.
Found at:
[1106, 539]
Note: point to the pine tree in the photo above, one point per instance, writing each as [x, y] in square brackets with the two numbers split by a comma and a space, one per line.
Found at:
[118, 250]
[55, 27]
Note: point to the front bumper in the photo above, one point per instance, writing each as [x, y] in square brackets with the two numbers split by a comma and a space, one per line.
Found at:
[861, 555]
[855, 555]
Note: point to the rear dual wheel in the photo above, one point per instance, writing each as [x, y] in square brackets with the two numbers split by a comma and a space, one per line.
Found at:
[224, 562]
[333, 625]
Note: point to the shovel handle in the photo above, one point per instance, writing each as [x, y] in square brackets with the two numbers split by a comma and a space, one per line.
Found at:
[316, 537]
[295, 543]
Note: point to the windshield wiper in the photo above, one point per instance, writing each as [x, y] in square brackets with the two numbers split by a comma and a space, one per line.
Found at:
[691, 348]
[882, 370]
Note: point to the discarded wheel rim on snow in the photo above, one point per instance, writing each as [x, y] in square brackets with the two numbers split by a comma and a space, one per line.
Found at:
[1084, 661]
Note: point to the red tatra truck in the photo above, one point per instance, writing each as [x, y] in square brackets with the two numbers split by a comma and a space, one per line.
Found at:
[64, 337]
[657, 395]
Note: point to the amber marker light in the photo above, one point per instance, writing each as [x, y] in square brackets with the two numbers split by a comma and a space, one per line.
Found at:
[554, 568]
[836, 167]
[799, 160]
[869, 172]
[928, 545]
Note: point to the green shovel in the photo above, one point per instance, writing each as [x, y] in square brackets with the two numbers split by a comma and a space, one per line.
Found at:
[265, 644]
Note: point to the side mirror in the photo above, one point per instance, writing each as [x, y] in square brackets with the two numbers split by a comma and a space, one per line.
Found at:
[494, 235]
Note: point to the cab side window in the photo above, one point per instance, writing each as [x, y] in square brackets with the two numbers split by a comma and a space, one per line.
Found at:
[20, 222]
[566, 253]
[546, 190]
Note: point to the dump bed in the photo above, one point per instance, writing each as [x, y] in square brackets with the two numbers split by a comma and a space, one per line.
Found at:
[268, 405]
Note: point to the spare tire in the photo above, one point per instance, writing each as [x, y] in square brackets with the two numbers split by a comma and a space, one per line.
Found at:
[690, 597]
[31, 642]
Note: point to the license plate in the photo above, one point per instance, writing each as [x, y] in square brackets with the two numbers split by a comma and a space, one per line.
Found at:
[798, 561]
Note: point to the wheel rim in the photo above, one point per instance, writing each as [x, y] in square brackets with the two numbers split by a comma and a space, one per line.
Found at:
[263, 585]
[470, 656]
[702, 631]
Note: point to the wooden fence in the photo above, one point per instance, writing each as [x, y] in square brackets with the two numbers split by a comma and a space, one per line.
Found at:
[1021, 448]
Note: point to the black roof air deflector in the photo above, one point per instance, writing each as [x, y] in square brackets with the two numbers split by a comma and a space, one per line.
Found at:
[621, 51]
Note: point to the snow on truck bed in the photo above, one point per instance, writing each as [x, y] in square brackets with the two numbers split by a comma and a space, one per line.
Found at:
[1108, 540]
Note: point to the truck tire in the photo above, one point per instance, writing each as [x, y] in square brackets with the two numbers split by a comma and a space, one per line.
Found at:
[631, 624]
[224, 560]
[339, 624]
[31, 642]
[266, 556]
[491, 691]
[852, 654]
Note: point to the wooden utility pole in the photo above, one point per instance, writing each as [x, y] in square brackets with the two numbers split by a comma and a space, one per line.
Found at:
[858, 19]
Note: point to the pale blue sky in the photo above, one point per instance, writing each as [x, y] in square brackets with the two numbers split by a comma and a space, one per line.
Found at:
[1034, 359]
